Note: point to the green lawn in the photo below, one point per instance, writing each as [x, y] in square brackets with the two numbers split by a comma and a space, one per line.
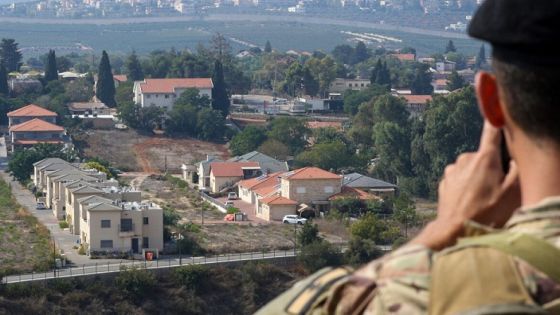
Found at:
[24, 242]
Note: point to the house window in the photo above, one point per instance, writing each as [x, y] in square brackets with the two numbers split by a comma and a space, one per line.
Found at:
[166, 95]
[329, 189]
[106, 244]
[126, 225]
[146, 220]
[300, 190]
[148, 96]
[145, 242]
[105, 223]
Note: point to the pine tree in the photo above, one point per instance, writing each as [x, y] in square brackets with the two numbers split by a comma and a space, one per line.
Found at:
[455, 81]
[3, 80]
[360, 53]
[51, 72]
[220, 100]
[133, 68]
[267, 47]
[375, 73]
[481, 58]
[10, 54]
[450, 47]
[310, 84]
[105, 91]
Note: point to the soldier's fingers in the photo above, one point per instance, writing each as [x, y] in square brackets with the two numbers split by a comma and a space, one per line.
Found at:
[490, 139]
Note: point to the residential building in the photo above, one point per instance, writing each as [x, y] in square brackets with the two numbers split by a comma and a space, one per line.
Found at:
[119, 79]
[113, 226]
[310, 185]
[224, 175]
[369, 184]
[404, 57]
[203, 172]
[274, 208]
[342, 85]
[36, 131]
[445, 66]
[268, 164]
[163, 92]
[42, 167]
[30, 112]
[251, 190]
[354, 193]
[416, 104]
[89, 108]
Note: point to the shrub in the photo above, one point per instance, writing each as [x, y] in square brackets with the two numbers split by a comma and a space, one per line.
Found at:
[232, 210]
[318, 255]
[192, 276]
[135, 283]
[63, 224]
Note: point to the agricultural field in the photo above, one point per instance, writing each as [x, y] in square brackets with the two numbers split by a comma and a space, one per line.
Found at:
[122, 38]
[24, 242]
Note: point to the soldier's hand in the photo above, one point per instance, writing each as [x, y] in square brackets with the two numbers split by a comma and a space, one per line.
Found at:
[474, 188]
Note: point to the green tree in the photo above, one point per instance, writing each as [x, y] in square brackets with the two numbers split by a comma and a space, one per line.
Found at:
[405, 212]
[328, 156]
[63, 63]
[392, 144]
[124, 93]
[422, 82]
[275, 149]
[383, 77]
[135, 283]
[10, 55]
[481, 58]
[105, 91]
[20, 165]
[192, 97]
[361, 251]
[310, 84]
[97, 166]
[51, 71]
[450, 47]
[455, 81]
[290, 131]
[148, 118]
[220, 99]
[268, 47]
[182, 119]
[375, 72]
[353, 99]
[343, 53]
[360, 53]
[247, 140]
[318, 255]
[133, 68]
[4, 90]
[294, 79]
[308, 234]
[210, 124]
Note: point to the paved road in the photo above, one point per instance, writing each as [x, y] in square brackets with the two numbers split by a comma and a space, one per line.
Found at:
[63, 238]
[238, 18]
[113, 267]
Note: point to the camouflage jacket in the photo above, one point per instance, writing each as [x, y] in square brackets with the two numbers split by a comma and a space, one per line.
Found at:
[399, 283]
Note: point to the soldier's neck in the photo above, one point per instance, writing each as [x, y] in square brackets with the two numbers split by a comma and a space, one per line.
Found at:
[539, 170]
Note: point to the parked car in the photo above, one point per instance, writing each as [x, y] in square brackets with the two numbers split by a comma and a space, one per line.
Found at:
[232, 196]
[293, 219]
[41, 206]
[229, 203]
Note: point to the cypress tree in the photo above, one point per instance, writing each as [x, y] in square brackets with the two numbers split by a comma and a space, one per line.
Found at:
[3, 80]
[133, 68]
[375, 72]
[481, 58]
[220, 100]
[267, 47]
[450, 47]
[105, 91]
[384, 76]
[51, 72]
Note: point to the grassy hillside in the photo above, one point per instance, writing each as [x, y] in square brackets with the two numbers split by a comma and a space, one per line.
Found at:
[24, 242]
[185, 290]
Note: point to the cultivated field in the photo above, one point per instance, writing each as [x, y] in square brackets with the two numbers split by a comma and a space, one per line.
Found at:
[130, 151]
[24, 242]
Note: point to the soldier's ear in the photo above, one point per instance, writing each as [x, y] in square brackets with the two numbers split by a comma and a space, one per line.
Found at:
[489, 100]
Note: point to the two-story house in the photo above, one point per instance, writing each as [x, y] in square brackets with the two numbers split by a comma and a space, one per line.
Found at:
[163, 92]
[30, 112]
[224, 175]
[108, 226]
[36, 131]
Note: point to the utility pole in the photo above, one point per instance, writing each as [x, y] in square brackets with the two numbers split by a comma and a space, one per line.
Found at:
[54, 255]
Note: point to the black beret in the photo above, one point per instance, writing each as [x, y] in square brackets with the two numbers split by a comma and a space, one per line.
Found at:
[522, 32]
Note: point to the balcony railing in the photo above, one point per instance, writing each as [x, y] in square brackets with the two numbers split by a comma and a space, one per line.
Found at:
[126, 228]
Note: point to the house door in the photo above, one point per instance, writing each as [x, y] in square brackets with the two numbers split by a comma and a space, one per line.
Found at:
[135, 245]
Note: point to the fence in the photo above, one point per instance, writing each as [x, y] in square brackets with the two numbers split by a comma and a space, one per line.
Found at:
[113, 267]
[218, 205]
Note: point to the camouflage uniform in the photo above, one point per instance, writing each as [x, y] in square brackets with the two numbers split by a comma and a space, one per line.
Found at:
[400, 283]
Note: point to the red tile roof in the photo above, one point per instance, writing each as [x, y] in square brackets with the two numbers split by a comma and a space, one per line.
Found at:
[405, 57]
[350, 192]
[120, 77]
[169, 85]
[311, 173]
[36, 124]
[32, 110]
[278, 200]
[230, 169]
[324, 124]
[259, 182]
[417, 99]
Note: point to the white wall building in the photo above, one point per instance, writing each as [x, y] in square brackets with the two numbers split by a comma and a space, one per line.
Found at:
[164, 92]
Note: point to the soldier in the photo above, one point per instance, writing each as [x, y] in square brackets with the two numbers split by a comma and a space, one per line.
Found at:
[493, 248]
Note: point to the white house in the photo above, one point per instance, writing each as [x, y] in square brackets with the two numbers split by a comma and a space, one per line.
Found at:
[164, 92]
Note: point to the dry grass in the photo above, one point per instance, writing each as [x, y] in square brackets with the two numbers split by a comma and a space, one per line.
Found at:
[24, 242]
